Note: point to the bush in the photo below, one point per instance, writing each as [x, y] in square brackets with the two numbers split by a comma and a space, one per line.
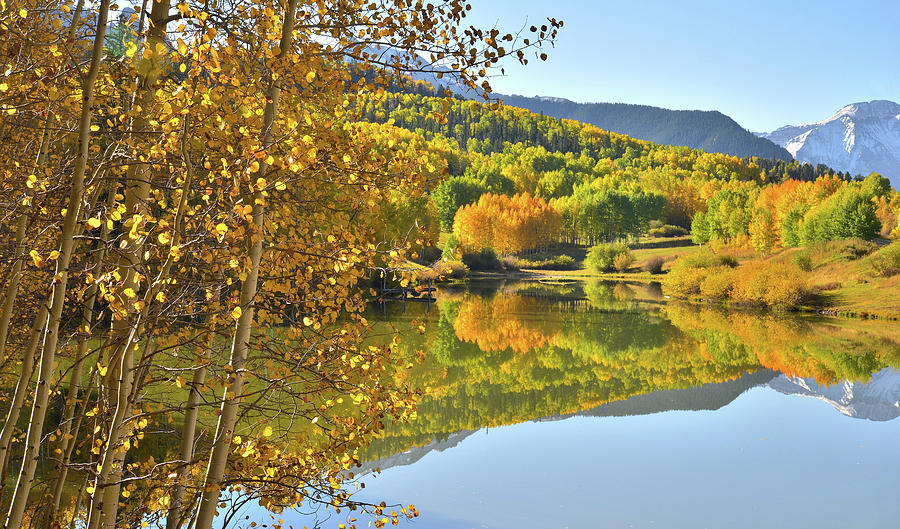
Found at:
[450, 269]
[485, 260]
[442, 270]
[854, 249]
[706, 260]
[509, 263]
[687, 274]
[757, 283]
[560, 262]
[718, 283]
[622, 261]
[668, 231]
[684, 281]
[601, 258]
[887, 261]
[761, 284]
[654, 265]
[803, 261]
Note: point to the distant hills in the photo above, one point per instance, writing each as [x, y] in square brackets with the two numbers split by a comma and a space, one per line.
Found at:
[860, 138]
[710, 131]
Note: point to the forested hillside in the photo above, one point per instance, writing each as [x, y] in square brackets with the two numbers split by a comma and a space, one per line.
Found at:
[605, 186]
[710, 131]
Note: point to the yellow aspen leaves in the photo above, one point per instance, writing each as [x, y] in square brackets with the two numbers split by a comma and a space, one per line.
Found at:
[164, 238]
[236, 313]
[135, 232]
[36, 258]
[311, 76]
[221, 229]
[267, 432]
[94, 222]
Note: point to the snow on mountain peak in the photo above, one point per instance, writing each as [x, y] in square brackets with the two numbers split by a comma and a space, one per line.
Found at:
[878, 109]
[860, 138]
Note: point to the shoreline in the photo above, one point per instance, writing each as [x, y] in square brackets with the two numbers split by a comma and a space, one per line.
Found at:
[646, 278]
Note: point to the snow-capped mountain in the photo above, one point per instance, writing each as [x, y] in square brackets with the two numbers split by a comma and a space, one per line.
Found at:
[860, 138]
[876, 400]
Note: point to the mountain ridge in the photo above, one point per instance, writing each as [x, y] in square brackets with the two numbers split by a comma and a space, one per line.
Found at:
[862, 137]
[708, 130]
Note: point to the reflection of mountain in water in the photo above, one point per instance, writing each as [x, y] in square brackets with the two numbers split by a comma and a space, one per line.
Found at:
[704, 397]
[876, 400]
[710, 396]
[408, 457]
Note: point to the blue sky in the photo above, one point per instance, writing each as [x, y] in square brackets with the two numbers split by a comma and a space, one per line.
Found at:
[764, 63]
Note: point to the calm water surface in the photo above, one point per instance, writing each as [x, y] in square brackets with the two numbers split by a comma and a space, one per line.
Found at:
[598, 405]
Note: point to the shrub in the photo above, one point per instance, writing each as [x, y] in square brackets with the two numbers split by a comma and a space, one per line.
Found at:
[442, 270]
[687, 274]
[623, 261]
[718, 283]
[450, 269]
[560, 262]
[706, 260]
[803, 261]
[564, 262]
[485, 260]
[654, 264]
[684, 281]
[668, 231]
[509, 263]
[600, 258]
[761, 284]
[887, 261]
[854, 249]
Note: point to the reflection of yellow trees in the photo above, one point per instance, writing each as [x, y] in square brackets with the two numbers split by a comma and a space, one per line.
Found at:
[511, 357]
[502, 323]
[827, 351]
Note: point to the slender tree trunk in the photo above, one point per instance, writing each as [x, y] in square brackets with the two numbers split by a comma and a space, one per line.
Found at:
[240, 346]
[25, 374]
[58, 292]
[175, 517]
[12, 288]
[67, 444]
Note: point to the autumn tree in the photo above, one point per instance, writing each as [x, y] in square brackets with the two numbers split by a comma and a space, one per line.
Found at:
[507, 224]
[192, 191]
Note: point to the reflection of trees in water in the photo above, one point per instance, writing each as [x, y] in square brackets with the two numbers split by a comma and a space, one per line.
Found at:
[825, 350]
[510, 357]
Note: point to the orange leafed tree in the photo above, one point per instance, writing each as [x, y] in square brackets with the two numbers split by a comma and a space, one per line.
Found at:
[507, 224]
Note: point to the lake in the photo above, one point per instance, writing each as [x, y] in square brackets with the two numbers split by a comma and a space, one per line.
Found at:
[602, 405]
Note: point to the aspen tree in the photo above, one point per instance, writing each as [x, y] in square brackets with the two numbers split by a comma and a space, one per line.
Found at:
[58, 292]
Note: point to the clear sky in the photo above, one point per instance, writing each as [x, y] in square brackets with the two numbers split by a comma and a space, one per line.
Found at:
[764, 63]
